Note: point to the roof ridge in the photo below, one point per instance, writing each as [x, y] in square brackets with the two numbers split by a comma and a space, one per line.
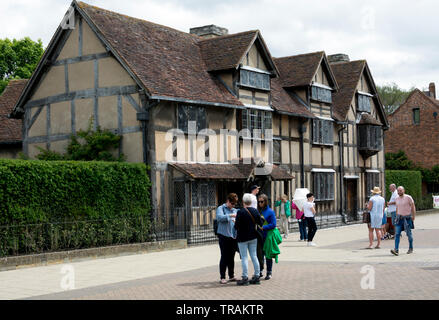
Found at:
[302, 54]
[84, 5]
[228, 35]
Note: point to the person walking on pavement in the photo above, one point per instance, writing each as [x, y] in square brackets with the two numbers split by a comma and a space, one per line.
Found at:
[247, 220]
[405, 217]
[254, 190]
[301, 221]
[225, 215]
[309, 213]
[376, 208]
[391, 205]
[269, 224]
[284, 213]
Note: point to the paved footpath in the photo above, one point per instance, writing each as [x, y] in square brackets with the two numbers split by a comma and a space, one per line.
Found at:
[338, 268]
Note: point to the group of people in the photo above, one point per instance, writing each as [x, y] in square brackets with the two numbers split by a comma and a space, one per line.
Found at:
[402, 210]
[253, 229]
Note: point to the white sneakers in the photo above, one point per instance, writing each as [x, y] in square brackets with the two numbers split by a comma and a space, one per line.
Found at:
[311, 244]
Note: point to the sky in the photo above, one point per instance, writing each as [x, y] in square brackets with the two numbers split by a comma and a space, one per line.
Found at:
[398, 38]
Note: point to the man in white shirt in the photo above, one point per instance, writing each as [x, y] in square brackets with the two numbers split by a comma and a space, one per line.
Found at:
[309, 213]
[391, 205]
[254, 190]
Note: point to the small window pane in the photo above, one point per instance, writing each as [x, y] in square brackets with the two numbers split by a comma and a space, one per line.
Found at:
[416, 116]
[276, 151]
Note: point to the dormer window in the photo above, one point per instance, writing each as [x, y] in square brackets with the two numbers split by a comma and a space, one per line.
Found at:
[254, 78]
[363, 102]
[321, 93]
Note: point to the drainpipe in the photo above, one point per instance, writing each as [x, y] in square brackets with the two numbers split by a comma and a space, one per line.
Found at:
[341, 156]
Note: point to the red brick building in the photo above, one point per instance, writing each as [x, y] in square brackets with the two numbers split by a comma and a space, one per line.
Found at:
[10, 129]
[414, 128]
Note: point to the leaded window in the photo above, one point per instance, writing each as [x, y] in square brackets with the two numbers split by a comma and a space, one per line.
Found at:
[256, 119]
[203, 194]
[370, 137]
[323, 186]
[323, 132]
[416, 116]
[254, 79]
[188, 113]
[321, 94]
[363, 103]
[276, 151]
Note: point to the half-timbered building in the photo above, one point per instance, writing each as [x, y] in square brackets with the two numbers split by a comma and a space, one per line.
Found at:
[209, 112]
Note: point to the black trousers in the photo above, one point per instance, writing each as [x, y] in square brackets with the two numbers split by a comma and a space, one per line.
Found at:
[261, 257]
[312, 228]
[228, 247]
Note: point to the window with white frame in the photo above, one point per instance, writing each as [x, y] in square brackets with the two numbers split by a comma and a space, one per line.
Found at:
[321, 94]
[254, 79]
[363, 103]
[323, 186]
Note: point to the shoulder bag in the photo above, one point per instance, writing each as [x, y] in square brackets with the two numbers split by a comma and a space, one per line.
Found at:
[258, 228]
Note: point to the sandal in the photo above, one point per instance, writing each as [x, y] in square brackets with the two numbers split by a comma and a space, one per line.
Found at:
[377, 247]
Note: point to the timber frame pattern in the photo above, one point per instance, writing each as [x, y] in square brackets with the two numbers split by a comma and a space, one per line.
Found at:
[131, 76]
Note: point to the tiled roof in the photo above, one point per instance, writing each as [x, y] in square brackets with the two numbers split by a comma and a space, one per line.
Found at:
[168, 62]
[226, 52]
[298, 70]
[283, 101]
[347, 75]
[10, 129]
[227, 171]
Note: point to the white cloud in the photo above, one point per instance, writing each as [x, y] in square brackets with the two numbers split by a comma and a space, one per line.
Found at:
[397, 38]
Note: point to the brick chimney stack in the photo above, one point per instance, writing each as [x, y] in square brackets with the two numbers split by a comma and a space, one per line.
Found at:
[337, 58]
[432, 90]
[209, 31]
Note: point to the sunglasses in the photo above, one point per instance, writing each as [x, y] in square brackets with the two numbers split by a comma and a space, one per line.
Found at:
[263, 201]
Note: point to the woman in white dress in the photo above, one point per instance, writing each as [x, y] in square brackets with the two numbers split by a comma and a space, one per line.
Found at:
[376, 208]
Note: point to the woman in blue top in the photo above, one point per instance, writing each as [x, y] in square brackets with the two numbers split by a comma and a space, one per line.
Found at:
[270, 223]
[225, 215]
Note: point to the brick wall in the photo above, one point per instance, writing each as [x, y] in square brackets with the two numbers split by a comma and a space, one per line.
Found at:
[420, 142]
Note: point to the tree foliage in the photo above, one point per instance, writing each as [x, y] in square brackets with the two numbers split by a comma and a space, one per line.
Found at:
[398, 161]
[18, 59]
[87, 145]
[392, 96]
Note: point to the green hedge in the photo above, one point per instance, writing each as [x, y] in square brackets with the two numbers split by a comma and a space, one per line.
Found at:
[51, 205]
[410, 180]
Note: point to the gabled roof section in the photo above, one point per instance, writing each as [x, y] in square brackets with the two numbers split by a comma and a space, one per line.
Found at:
[168, 62]
[164, 62]
[10, 129]
[299, 70]
[348, 74]
[420, 93]
[227, 52]
[286, 102]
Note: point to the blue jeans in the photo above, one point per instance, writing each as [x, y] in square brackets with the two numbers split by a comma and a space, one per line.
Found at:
[398, 229]
[251, 247]
[302, 229]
